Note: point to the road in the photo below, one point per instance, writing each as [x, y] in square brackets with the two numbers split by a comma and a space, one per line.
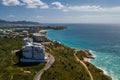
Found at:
[83, 64]
[50, 61]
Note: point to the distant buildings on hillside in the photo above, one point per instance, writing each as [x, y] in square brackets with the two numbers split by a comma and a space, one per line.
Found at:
[5, 32]
[36, 33]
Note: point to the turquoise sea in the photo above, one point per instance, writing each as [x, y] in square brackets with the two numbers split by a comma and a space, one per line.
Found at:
[103, 40]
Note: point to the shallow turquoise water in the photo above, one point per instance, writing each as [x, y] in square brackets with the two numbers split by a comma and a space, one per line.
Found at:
[103, 40]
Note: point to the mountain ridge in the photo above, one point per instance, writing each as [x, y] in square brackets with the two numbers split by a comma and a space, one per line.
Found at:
[24, 22]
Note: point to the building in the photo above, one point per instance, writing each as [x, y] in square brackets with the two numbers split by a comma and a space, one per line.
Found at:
[9, 31]
[25, 33]
[34, 30]
[2, 32]
[37, 37]
[27, 41]
[32, 52]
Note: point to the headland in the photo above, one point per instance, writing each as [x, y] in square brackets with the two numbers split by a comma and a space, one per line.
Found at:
[65, 67]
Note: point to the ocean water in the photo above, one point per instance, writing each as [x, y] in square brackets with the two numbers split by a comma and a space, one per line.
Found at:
[102, 39]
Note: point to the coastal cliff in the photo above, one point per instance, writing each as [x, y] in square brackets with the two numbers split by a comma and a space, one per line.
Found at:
[67, 68]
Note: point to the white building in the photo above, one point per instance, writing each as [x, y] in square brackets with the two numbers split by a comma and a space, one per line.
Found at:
[2, 32]
[25, 32]
[9, 31]
[33, 52]
[27, 41]
[37, 37]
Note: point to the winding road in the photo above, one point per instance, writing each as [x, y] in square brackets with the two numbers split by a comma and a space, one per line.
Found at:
[83, 64]
[50, 61]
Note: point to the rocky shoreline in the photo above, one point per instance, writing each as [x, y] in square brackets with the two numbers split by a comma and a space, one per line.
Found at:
[88, 56]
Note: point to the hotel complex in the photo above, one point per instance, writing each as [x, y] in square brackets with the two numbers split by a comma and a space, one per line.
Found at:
[32, 52]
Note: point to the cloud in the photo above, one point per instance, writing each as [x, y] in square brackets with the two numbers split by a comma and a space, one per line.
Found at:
[27, 3]
[86, 18]
[113, 9]
[39, 17]
[11, 16]
[35, 4]
[58, 5]
[85, 8]
[94, 8]
[10, 2]
[104, 18]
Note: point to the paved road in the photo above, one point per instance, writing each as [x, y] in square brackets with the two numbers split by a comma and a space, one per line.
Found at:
[83, 64]
[50, 61]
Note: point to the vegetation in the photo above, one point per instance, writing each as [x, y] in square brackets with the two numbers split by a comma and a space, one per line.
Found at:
[81, 54]
[96, 72]
[10, 69]
[67, 68]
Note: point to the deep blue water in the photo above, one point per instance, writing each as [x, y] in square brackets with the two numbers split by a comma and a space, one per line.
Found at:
[102, 39]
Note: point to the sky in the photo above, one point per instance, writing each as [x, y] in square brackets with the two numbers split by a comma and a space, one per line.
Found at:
[61, 11]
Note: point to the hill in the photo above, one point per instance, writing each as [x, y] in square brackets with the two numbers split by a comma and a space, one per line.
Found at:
[9, 23]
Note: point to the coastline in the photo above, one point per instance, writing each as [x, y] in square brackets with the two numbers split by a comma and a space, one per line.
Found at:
[89, 56]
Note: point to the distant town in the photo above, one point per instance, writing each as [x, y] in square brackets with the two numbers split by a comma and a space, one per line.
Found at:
[24, 31]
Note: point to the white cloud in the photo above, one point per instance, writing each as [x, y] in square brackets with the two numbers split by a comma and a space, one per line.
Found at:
[11, 16]
[85, 8]
[113, 9]
[86, 18]
[35, 4]
[77, 8]
[10, 2]
[38, 17]
[58, 5]
[27, 3]
[94, 9]
[105, 18]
